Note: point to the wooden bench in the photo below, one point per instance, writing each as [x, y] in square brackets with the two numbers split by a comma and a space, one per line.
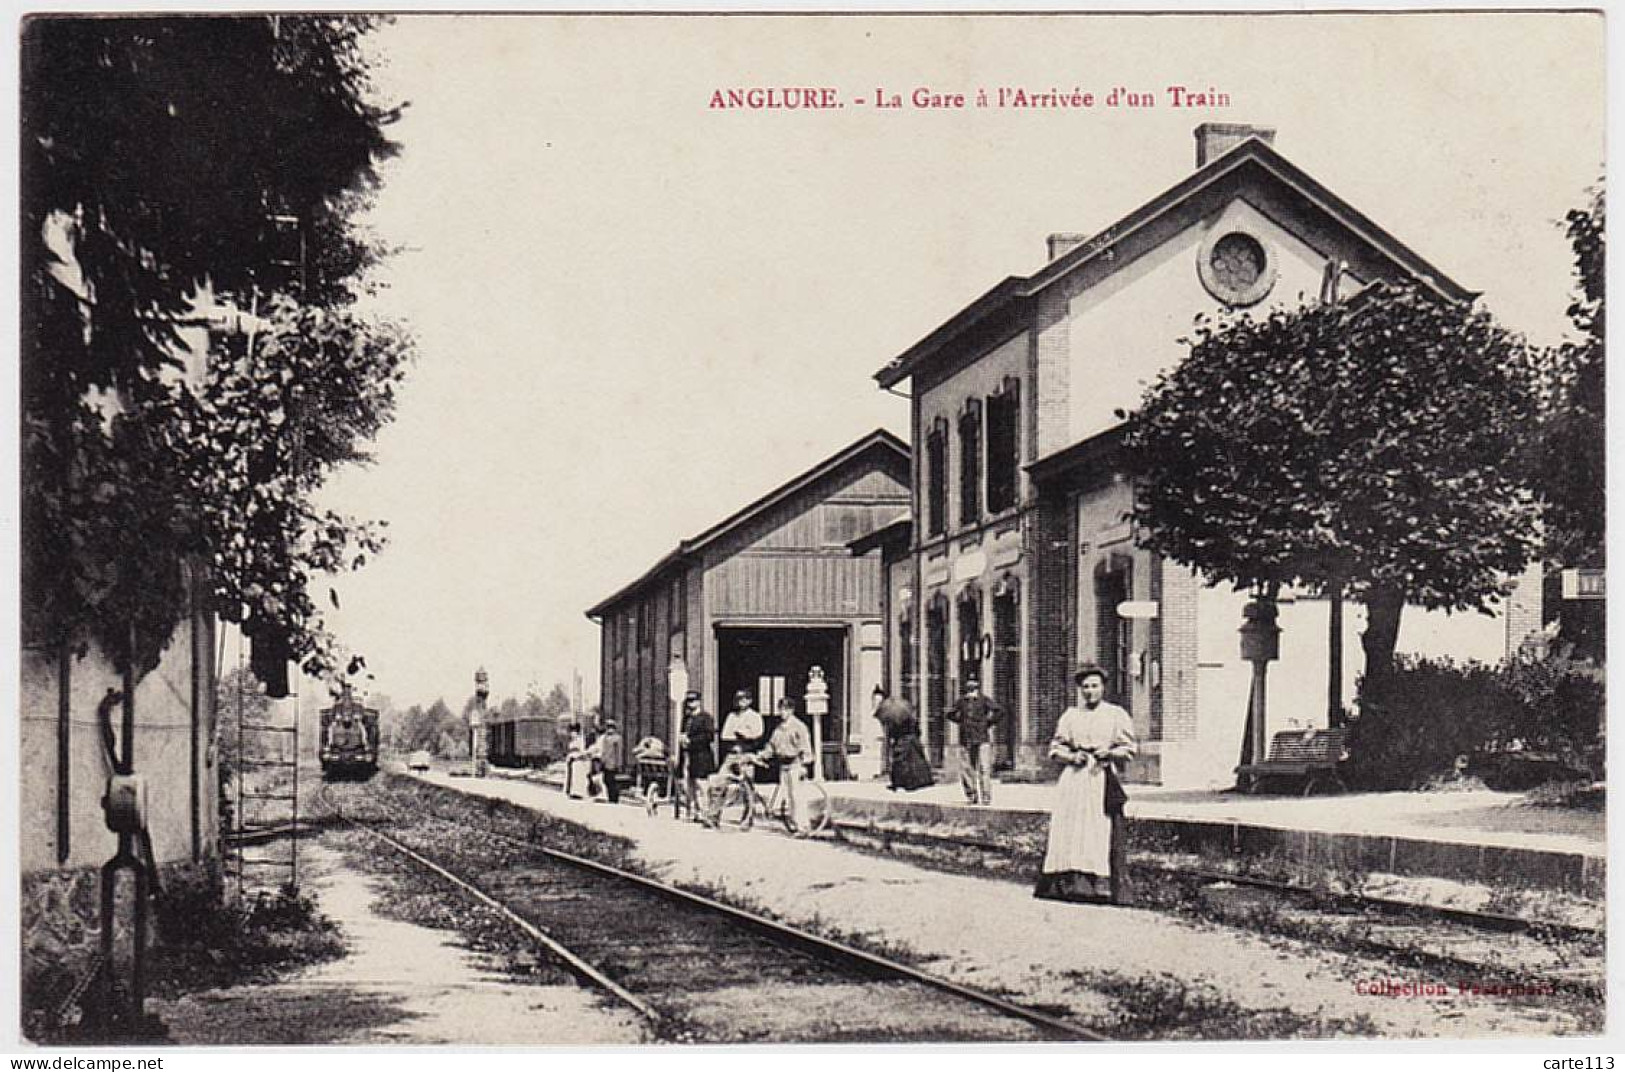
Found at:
[1312, 755]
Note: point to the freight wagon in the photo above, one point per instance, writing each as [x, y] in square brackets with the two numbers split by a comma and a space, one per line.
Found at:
[523, 741]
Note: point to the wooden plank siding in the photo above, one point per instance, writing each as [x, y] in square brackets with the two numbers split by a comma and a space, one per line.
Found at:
[779, 586]
[792, 560]
[633, 662]
[788, 562]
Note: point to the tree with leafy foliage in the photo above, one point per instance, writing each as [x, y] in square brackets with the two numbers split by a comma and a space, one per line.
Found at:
[1374, 447]
[1573, 476]
[162, 159]
[431, 728]
[1574, 443]
[556, 705]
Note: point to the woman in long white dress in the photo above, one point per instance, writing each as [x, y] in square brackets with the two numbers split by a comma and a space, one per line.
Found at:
[1087, 854]
[577, 765]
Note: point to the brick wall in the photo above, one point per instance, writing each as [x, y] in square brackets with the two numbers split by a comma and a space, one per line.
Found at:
[1177, 624]
[1153, 648]
[1523, 608]
[1050, 640]
[1051, 538]
[1050, 412]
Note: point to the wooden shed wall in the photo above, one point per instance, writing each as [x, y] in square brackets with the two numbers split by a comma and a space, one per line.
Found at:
[789, 562]
[793, 561]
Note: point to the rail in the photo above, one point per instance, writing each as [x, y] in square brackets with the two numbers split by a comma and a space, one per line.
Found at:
[829, 950]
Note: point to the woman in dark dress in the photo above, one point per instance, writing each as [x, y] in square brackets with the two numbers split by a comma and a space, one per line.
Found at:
[909, 767]
[696, 755]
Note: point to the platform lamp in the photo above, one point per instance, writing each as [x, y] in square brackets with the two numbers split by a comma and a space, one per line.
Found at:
[476, 723]
[817, 700]
[1260, 645]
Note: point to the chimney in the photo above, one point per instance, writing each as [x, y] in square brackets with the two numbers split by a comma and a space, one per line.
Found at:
[1065, 242]
[1213, 140]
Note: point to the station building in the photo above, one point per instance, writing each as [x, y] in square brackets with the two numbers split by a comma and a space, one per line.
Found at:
[760, 598]
[1018, 557]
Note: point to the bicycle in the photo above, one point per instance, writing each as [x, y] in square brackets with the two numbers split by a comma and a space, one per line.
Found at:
[742, 802]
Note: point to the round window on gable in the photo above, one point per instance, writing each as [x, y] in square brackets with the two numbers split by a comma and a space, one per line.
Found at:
[1236, 267]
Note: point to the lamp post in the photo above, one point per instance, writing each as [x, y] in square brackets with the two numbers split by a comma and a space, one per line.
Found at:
[1260, 645]
[476, 723]
[817, 707]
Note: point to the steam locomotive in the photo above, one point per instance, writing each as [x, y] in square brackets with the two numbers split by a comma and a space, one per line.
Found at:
[349, 739]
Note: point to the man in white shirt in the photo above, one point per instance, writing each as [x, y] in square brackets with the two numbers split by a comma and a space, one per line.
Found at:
[742, 730]
[742, 733]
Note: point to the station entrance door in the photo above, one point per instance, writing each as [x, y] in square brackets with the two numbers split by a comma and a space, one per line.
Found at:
[772, 663]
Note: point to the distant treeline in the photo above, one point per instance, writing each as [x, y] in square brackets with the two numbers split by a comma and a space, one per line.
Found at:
[440, 730]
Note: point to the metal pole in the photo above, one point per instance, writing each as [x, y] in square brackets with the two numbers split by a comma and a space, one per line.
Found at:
[1334, 661]
[293, 836]
[238, 774]
[64, 750]
[1260, 714]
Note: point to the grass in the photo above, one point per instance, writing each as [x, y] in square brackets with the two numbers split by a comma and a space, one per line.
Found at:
[1586, 796]
[1165, 1007]
[206, 941]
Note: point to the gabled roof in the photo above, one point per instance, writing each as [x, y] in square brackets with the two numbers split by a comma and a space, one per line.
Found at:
[1011, 295]
[683, 553]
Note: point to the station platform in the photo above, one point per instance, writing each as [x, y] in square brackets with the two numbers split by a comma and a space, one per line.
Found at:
[1470, 835]
[1476, 836]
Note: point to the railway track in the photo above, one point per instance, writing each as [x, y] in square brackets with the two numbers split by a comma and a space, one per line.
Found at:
[694, 968]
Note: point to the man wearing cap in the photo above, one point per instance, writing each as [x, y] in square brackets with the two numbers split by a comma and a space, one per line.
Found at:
[609, 750]
[696, 761]
[975, 715]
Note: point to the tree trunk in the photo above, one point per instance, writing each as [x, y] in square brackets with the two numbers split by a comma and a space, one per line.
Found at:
[1383, 606]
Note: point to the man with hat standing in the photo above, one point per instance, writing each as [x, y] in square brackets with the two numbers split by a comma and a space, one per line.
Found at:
[696, 761]
[975, 715]
[610, 750]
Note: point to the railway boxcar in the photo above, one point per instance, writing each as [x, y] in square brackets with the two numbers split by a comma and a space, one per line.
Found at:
[349, 746]
[523, 741]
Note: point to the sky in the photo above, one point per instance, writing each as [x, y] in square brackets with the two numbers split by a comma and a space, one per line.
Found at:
[636, 313]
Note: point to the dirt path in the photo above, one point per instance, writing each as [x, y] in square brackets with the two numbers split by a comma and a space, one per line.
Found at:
[400, 983]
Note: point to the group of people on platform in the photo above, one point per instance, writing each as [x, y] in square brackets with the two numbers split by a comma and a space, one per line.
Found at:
[744, 743]
[593, 764]
[1085, 856]
[903, 757]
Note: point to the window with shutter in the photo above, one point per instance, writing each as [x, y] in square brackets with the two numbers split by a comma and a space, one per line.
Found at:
[1003, 446]
[936, 466]
[970, 463]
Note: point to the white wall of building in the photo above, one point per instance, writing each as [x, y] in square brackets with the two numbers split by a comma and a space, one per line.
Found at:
[164, 754]
[1125, 330]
